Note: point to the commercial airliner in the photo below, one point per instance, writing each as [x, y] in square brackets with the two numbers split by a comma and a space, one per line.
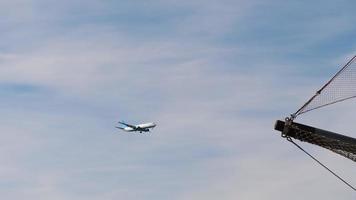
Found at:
[140, 127]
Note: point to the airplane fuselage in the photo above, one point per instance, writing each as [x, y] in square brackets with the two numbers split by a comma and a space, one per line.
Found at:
[146, 125]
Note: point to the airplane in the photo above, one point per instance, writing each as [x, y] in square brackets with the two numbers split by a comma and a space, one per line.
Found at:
[140, 127]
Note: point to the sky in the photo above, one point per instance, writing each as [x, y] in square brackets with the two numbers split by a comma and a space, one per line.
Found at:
[214, 75]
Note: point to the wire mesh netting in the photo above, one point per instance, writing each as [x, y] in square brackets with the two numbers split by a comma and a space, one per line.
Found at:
[341, 87]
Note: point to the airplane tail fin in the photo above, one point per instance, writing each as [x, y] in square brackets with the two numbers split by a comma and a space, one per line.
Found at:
[122, 123]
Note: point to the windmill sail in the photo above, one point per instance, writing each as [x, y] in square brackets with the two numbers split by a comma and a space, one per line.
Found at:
[340, 88]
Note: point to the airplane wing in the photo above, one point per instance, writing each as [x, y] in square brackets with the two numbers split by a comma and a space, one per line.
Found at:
[129, 125]
[119, 127]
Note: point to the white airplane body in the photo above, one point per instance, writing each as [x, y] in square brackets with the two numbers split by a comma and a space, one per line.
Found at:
[140, 127]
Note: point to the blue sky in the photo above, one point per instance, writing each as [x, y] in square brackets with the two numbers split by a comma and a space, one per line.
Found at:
[214, 76]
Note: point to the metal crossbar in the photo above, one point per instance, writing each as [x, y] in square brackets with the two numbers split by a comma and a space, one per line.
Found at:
[340, 144]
